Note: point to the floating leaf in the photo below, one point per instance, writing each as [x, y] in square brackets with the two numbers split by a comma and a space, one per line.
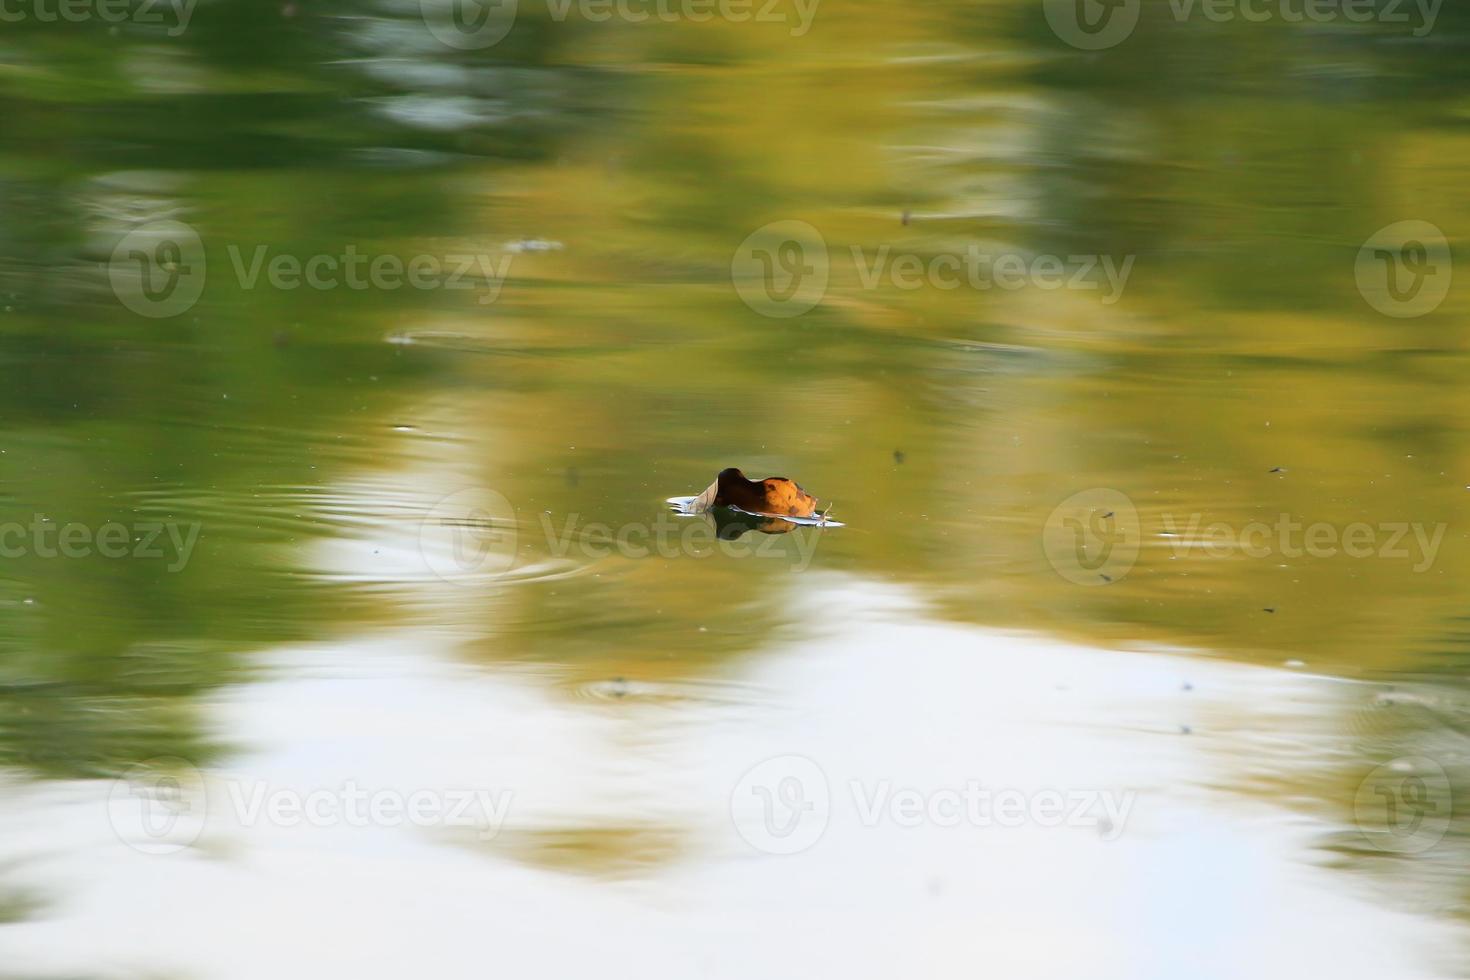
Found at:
[773, 497]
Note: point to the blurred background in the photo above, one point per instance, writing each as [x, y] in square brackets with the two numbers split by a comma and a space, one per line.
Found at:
[1292, 722]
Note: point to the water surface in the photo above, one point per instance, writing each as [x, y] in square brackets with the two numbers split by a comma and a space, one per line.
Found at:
[321, 629]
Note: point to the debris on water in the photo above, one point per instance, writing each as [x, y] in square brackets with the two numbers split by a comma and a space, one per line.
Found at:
[906, 215]
[898, 456]
[1269, 609]
[1104, 576]
[534, 245]
[1185, 730]
[1186, 686]
[1277, 469]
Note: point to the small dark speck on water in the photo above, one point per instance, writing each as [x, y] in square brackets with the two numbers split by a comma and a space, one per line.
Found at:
[1104, 576]
[1107, 515]
[1269, 609]
[906, 215]
[1277, 469]
[1185, 730]
[1186, 686]
[898, 456]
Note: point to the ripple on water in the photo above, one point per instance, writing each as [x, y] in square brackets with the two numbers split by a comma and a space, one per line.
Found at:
[619, 690]
[501, 344]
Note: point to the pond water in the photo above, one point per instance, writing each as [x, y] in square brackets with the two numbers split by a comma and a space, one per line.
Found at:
[346, 625]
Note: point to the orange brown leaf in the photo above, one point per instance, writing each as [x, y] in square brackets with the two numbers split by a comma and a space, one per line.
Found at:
[775, 495]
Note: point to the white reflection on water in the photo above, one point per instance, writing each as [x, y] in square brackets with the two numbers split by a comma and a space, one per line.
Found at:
[618, 855]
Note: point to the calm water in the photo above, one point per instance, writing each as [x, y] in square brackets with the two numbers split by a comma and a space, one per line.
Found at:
[1172, 520]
